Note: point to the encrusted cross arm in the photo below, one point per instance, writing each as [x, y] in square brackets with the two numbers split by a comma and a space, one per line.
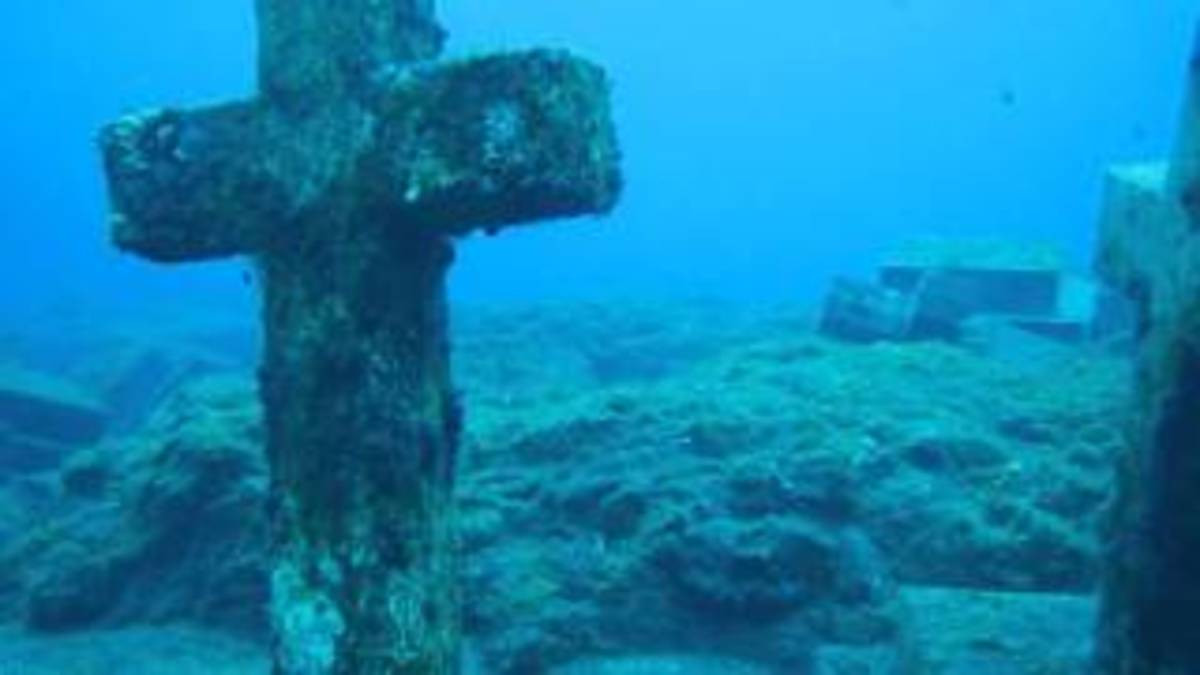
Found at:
[190, 185]
[493, 142]
[479, 144]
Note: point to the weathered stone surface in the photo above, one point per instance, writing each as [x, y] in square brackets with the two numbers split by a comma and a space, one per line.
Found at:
[1150, 251]
[933, 289]
[479, 144]
[166, 526]
[1149, 247]
[992, 276]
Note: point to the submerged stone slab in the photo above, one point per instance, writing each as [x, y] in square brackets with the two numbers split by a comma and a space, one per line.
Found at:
[929, 290]
[988, 276]
[42, 418]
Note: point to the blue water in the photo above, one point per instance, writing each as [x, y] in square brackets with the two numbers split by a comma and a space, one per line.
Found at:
[768, 144]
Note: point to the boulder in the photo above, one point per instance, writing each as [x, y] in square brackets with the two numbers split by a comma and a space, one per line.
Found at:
[171, 524]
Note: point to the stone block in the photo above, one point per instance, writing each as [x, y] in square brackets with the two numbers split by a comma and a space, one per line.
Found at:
[42, 417]
[929, 289]
[994, 276]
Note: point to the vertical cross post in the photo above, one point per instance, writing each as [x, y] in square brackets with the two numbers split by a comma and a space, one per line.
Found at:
[347, 179]
[1149, 247]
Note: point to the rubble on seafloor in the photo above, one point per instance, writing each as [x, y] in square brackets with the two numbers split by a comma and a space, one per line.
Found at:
[943, 289]
[668, 483]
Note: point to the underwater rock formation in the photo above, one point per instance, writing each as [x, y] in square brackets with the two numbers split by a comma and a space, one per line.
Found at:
[166, 525]
[1150, 249]
[763, 498]
[346, 179]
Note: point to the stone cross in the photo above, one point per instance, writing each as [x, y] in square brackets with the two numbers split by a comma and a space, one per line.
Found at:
[346, 179]
[1149, 247]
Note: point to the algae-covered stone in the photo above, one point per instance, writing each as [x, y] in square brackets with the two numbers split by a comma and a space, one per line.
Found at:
[179, 650]
[346, 179]
[764, 498]
[188, 495]
[1149, 248]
